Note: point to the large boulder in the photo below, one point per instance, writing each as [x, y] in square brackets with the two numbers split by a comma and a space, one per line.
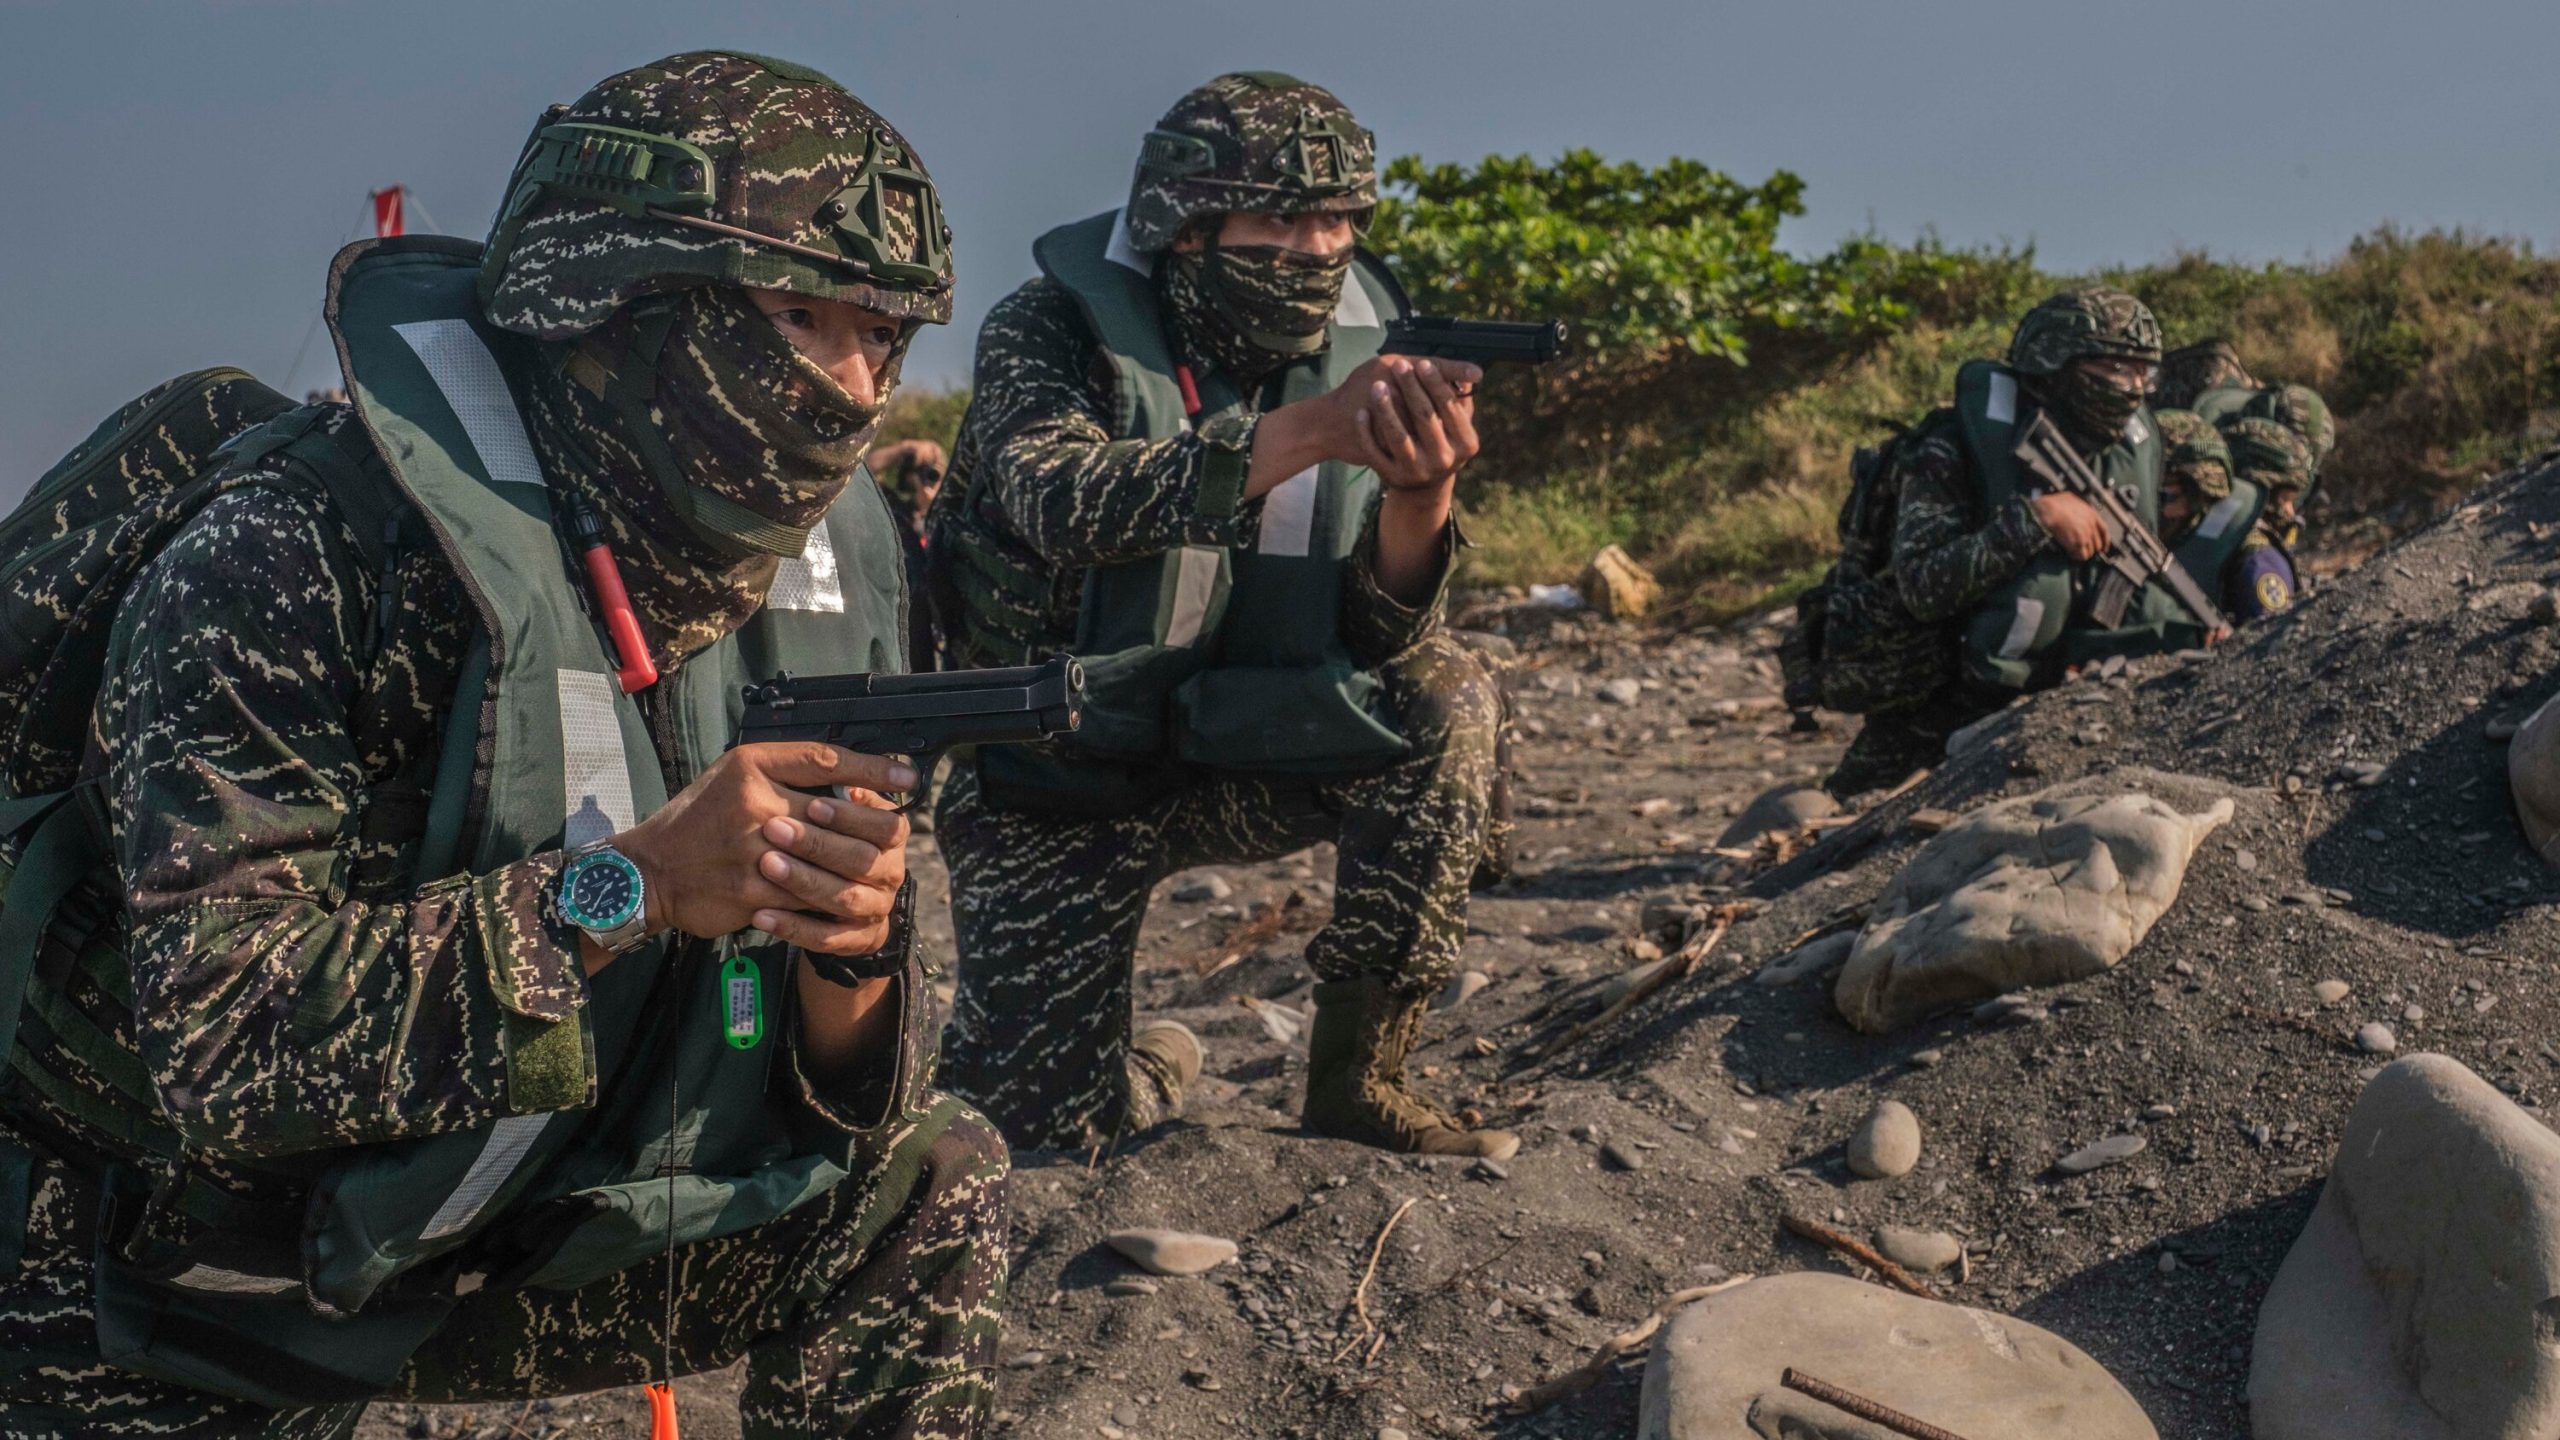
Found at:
[1778, 810]
[2533, 775]
[2050, 888]
[2422, 1302]
[1715, 1368]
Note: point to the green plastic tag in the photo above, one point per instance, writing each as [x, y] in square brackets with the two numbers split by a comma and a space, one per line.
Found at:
[742, 1002]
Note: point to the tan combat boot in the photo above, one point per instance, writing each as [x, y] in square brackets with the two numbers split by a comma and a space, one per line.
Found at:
[1355, 1076]
[1164, 1058]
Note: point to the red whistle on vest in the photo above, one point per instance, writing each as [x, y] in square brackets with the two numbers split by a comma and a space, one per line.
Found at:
[637, 671]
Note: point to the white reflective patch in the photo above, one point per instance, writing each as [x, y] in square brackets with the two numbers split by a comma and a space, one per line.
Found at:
[233, 1282]
[508, 1141]
[467, 373]
[1355, 307]
[2219, 518]
[595, 785]
[1120, 252]
[1195, 581]
[1289, 515]
[810, 582]
[2135, 432]
[2022, 627]
[2002, 403]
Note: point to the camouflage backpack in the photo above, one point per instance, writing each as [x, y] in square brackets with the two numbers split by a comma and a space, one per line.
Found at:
[1854, 646]
[67, 554]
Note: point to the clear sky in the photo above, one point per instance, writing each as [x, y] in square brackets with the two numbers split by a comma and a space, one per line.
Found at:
[179, 173]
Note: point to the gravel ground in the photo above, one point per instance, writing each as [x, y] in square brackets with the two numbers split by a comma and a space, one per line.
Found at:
[2374, 845]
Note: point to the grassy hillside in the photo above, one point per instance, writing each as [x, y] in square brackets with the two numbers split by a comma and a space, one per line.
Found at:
[1720, 384]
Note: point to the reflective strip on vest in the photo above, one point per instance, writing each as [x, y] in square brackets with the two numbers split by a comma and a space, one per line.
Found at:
[2219, 518]
[2022, 628]
[1195, 583]
[2001, 404]
[1289, 516]
[595, 781]
[809, 582]
[509, 1139]
[468, 374]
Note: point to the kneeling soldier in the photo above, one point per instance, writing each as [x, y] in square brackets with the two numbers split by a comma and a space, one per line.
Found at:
[446, 1015]
[1186, 462]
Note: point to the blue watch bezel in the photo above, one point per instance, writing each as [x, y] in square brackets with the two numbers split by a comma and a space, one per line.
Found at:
[585, 861]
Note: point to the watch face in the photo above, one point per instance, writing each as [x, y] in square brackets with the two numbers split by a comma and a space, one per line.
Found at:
[600, 891]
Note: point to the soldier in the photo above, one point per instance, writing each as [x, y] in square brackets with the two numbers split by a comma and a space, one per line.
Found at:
[406, 1057]
[2195, 473]
[910, 475]
[1186, 461]
[2277, 460]
[2004, 570]
[2190, 370]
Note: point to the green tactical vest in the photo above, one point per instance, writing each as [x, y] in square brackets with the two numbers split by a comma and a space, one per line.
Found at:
[556, 1194]
[2027, 632]
[1215, 657]
[2221, 536]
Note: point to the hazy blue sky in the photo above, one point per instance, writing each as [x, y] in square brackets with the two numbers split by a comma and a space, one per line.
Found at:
[180, 173]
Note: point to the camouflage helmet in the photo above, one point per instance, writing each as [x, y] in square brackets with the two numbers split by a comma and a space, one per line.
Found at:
[2191, 370]
[2192, 450]
[714, 168]
[1256, 141]
[2300, 409]
[2268, 452]
[2098, 320]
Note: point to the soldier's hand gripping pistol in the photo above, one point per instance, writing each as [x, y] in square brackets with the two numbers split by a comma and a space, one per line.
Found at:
[2134, 556]
[918, 716]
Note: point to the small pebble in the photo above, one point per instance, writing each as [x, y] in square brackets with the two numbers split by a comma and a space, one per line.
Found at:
[1622, 692]
[1202, 890]
[2161, 1112]
[1171, 1252]
[1619, 1156]
[1462, 987]
[1887, 1143]
[2376, 1039]
[1927, 1251]
[2114, 1150]
[1923, 1059]
[1488, 1168]
[2330, 992]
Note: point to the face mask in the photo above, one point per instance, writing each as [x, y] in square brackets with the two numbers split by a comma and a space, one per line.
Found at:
[2090, 404]
[1254, 306]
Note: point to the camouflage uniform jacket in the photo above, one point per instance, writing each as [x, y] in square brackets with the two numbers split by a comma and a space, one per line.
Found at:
[1039, 460]
[1948, 557]
[290, 984]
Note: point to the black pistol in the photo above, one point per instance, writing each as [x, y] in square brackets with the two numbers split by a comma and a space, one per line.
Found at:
[1478, 342]
[918, 716]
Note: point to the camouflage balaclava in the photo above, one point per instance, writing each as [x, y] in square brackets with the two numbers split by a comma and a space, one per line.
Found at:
[1260, 143]
[2195, 464]
[2191, 370]
[2093, 323]
[669, 404]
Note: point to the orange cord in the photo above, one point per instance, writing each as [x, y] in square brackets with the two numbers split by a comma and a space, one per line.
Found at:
[662, 1410]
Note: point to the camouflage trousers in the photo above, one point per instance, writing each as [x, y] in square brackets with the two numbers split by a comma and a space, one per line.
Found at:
[1046, 908]
[1893, 744]
[871, 1311]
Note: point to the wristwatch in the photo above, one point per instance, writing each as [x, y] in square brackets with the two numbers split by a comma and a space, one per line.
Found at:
[601, 892]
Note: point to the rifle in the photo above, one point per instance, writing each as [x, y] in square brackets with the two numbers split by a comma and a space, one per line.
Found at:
[1478, 342]
[2134, 556]
[918, 716]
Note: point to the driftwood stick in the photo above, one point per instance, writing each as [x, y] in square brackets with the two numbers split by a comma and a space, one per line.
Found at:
[1590, 1372]
[1360, 1292]
[1858, 1250]
[1674, 970]
[1865, 1409]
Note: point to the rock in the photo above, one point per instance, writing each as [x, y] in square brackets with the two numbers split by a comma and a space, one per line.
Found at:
[2376, 1038]
[1621, 691]
[1929, 822]
[1807, 960]
[2049, 888]
[2114, 1150]
[1619, 1156]
[1887, 1143]
[1655, 808]
[1617, 587]
[1488, 1168]
[2423, 1297]
[1780, 810]
[2330, 992]
[2362, 774]
[1131, 1285]
[1203, 889]
[1171, 1252]
[1461, 988]
[1926, 1251]
[2533, 774]
[1714, 1370]
[2545, 609]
